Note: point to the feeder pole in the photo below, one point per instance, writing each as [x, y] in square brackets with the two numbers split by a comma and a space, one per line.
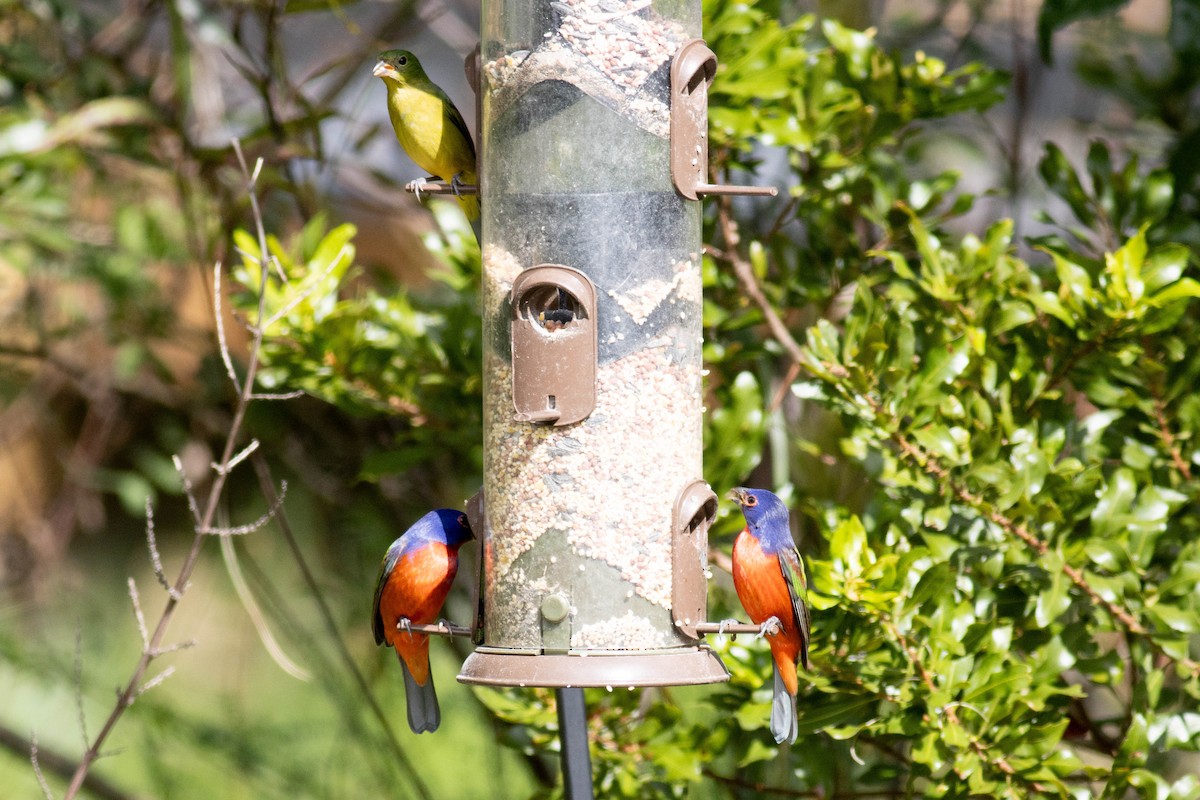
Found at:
[572, 732]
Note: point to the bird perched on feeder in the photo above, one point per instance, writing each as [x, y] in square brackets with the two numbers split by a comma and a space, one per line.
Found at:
[769, 579]
[413, 583]
[427, 124]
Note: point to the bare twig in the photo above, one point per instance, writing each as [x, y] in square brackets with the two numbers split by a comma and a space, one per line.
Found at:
[48, 761]
[188, 491]
[204, 524]
[258, 524]
[222, 342]
[156, 680]
[152, 546]
[82, 718]
[139, 615]
[237, 459]
[37, 768]
[1164, 432]
[278, 395]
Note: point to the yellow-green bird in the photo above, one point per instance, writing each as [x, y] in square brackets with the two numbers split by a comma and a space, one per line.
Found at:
[429, 127]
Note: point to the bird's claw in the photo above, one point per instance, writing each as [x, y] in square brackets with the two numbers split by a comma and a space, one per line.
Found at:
[769, 627]
[456, 183]
[446, 625]
[415, 187]
[405, 624]
[721, 626]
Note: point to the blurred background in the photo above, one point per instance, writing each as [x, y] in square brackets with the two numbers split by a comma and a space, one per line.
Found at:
[119, 191]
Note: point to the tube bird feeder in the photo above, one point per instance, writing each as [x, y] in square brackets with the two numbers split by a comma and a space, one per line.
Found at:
[595, 515]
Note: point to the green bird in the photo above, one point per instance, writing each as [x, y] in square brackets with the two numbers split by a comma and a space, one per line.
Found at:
[427, 124]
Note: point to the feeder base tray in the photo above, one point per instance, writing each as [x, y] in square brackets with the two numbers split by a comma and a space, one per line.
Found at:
[684, 667]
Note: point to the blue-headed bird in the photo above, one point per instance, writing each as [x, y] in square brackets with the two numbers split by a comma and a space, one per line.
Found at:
[769, 579]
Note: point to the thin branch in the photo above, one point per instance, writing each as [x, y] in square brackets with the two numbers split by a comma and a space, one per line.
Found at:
[156, 680]
[1168, 438]
[37, 768]
[222, 342]
[82, 718]
[173, 648]
[204, 521]
[258, 524]
[279, 396]
[47, 760]
[152, 546]
[139, 616]
[188, 491]
[242, 455]
[745, 275]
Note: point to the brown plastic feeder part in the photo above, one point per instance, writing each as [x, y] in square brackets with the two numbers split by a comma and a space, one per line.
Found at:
[692, 71]
[695, 510]
[554, 345]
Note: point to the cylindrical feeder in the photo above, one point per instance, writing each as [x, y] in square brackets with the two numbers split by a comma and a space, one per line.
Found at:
[595, 514]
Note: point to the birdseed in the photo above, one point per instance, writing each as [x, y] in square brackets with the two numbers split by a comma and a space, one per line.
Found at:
[617, 52]
[608, 483]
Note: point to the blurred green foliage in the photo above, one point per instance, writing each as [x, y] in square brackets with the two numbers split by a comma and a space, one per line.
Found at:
[988, 439]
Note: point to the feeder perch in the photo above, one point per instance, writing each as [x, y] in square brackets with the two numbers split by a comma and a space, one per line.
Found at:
[692, 71]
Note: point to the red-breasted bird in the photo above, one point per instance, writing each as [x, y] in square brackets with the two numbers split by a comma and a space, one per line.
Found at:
[769, 579]
[428, 126]
[413, 583]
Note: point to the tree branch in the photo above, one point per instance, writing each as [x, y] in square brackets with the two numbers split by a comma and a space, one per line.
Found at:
[57, 764]
[152, 647]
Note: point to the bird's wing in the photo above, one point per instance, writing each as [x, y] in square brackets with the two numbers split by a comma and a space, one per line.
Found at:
[456, 119]
[797, 586]
[385, 569]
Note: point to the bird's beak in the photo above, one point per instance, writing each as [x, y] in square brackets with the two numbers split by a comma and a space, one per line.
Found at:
[738, 495]
[383, 68]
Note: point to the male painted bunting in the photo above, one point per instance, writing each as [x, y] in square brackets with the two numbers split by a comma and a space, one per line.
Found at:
[769, 579]
[429, 127]
[413, 583]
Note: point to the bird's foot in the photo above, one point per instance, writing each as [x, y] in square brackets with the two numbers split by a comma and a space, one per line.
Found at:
[446, 625]
[721, 626]
[769, 627]
[405, 624]
[456, 183]
[416, 186]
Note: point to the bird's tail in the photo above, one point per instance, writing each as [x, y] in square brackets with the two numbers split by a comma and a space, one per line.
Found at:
[424, 715]
[784, 723]
[470, 207]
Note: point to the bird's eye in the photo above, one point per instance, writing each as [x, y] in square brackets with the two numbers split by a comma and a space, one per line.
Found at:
[750, 501]
[402, 60]
[462, 520]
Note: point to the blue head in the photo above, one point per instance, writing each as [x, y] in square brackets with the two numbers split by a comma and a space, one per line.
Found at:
[766, 518]
[445, 525]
